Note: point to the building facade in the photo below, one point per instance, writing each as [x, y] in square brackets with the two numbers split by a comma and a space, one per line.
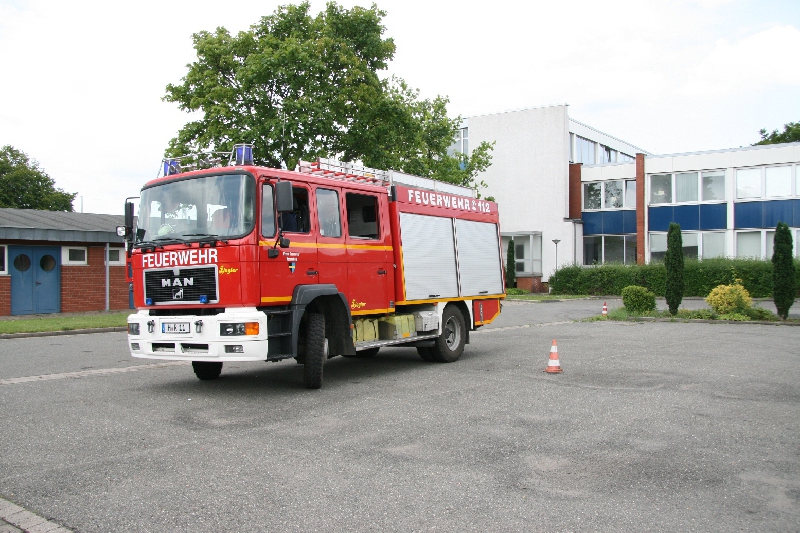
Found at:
[53, 262]
[571, 194]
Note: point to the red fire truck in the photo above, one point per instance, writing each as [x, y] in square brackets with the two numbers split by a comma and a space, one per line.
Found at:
[246, 263]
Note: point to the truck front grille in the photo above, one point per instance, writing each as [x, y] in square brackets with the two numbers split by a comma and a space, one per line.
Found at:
[181, 285]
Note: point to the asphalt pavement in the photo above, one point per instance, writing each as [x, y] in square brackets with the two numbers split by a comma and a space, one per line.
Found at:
[652, 426]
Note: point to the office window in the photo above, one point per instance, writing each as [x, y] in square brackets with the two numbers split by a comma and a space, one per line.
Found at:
[592, 195]
[625, 158]
[686, 187]
[3, 259]
[661, 189]
[519, 256]
[585, 150]
[613, 249]
[630, 193]
[748, 183]
[592, 250]
[778, 181]
[691, 245]
[460, 143]
[609, 155]
[613, 198]
[74, 255]
[658, 246]
[748, 244]
[713, 245]
[713, 185]
[630, 249]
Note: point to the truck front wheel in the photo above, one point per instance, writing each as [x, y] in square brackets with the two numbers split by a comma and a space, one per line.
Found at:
[450, 344]
[206, 370]
[316, 351]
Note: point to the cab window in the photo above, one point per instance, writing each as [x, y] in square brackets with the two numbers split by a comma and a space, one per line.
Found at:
[267, 211]
[297, 220]
[362, 216]
[328, 213]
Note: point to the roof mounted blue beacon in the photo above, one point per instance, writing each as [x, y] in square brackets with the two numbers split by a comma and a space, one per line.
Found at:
[243, 154]
[172, 166]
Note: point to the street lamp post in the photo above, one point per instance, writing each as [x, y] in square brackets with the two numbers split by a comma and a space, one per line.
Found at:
[556, 241]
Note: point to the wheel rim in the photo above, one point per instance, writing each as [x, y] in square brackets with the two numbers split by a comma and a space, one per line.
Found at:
[452, 333]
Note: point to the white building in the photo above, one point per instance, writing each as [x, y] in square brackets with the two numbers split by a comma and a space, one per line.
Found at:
[606, 200]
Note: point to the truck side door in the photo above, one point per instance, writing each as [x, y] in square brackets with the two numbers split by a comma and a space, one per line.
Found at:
[369, 258]
[327, 225]
[296, 265]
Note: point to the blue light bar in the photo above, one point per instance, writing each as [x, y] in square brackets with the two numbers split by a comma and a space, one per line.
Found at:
[171, 166]
[243, 154]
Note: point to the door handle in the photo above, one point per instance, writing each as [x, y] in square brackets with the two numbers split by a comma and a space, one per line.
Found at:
[312, 272]
[381, 272]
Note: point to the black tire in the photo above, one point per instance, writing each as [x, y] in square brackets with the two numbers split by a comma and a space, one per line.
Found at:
[363, 354]
[426, 354]
[205, 370]
[450, 344]
[316, 351]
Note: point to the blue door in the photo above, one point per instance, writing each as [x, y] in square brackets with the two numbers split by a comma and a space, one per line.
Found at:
[35, 279]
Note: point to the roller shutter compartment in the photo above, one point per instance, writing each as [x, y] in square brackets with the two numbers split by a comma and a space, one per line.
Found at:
[479, 258]
[429, 257]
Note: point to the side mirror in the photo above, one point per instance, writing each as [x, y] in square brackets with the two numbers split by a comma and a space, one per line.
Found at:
[284, 242]
[129, 216]
[284, 197]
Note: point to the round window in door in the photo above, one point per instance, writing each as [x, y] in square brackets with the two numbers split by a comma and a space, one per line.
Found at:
[22, 262]
[48, 262]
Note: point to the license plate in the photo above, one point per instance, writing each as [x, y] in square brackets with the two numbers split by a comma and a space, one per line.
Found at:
[176, 327]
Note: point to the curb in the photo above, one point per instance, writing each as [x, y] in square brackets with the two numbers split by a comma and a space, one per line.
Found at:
[61, 332]
[706, 321]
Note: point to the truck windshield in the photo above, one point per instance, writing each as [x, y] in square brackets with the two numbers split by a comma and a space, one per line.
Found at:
[198, 208]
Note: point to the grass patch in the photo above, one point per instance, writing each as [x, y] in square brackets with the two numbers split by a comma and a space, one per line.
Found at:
[752, 314]
[544, 297]
[64, 323]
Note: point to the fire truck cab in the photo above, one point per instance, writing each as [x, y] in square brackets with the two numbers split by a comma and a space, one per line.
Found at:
[246, 263]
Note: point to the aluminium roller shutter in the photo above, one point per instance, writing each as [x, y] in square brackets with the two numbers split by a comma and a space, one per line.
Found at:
[429, 257]
[479, 258]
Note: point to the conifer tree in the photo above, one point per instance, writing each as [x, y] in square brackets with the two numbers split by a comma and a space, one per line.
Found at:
[784, 286]
[673, 261]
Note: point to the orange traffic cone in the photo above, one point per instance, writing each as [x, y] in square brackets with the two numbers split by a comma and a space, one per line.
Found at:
[554, 365]
[605, 309]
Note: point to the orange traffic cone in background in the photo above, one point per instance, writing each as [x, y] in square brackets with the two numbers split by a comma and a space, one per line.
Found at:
[605, 309]
[553, 365]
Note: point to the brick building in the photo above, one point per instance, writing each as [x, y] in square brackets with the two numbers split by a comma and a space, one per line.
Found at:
[52, 261]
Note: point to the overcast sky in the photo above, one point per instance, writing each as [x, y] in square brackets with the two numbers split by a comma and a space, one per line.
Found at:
[82, 80]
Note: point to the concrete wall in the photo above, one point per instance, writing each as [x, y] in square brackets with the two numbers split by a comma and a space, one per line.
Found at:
[529, 175]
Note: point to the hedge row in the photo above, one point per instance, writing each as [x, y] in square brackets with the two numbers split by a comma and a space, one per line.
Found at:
[700, 277]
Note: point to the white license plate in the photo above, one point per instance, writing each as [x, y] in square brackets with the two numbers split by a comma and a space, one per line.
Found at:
[176, 327]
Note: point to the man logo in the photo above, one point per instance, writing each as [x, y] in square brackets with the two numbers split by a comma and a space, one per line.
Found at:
[177, 294]
[292, 266]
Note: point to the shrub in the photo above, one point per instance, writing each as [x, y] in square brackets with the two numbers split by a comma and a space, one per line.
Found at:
[727, 299]
[699, 314]
[759, 313]
[516, 292]
[638, 299]
[783, 272]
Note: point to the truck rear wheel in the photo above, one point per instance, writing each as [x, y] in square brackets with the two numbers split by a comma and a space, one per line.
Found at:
[205, 370]
[450, 344]
[316, 351]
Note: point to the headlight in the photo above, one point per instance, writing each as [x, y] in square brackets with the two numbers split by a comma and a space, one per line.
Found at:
[133, 328]
[235, 330]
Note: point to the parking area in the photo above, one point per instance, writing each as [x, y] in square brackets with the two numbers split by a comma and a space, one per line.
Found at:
[652, 426]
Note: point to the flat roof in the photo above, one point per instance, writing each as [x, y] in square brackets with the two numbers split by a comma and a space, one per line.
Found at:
[61, 226]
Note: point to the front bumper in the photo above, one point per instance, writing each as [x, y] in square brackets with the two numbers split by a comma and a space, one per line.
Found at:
[202, 341]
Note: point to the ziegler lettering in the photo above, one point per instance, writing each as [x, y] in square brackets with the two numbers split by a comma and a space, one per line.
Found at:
[450, 201]
[226, 270]
[179, 258]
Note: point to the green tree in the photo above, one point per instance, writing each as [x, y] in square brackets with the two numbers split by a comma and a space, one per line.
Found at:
[784, 286]
[673, 261]
[511, 266]
[24, 185]
[302, 86]
[790, 134]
